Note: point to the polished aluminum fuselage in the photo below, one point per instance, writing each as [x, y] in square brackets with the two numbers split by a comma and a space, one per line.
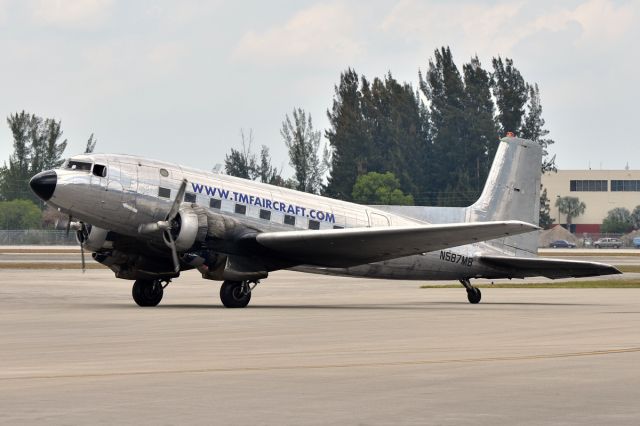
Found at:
[129, 195]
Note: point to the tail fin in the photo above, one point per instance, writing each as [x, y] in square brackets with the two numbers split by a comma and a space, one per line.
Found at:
[512, 191]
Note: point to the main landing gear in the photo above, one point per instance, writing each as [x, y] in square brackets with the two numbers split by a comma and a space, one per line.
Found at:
[233, 294]
[473, 293]
[237, 294]
[148, 292]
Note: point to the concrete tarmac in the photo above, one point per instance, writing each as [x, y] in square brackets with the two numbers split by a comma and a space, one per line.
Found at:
[75, 349]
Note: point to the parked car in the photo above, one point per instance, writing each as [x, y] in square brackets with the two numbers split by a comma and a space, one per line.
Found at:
[608, 243]
[562, 244]
[636, 242]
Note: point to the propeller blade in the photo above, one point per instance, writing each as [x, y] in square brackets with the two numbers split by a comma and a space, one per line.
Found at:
[83, 235]
[68, 225]
[82, 256]
[174, 252]
[178, 200]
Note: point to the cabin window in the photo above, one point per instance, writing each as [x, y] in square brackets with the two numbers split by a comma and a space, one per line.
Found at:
[338, 227]
[314, 224]
[241, 209]
[164, 192]
[100, 170]
[189, 197]
[265, 214]
[79, 165]
[164, 172]
[289, 220]
[215, 204]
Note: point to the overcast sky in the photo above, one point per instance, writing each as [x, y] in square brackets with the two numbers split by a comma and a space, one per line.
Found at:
[178, 80]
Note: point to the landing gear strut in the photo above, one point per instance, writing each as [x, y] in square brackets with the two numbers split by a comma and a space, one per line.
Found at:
[148, 292]
[473, 293]
[236, 294]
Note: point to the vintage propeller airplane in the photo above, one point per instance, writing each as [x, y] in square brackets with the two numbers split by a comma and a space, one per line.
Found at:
[149, 220]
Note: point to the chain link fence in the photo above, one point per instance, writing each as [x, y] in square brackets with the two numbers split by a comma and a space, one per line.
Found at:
[46, 237]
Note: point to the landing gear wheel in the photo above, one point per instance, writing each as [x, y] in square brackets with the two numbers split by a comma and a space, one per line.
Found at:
[474, 295]
[235, 294]
[147, 292]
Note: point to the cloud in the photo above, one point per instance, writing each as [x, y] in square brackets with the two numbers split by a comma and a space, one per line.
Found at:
[599, 20]
[497, 28]
[318, 33]
[71, 14]
[452, 23]
[3, 11]
[166, 55]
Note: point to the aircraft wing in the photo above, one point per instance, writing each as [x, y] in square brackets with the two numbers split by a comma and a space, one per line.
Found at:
[550, 268]
[355, 246]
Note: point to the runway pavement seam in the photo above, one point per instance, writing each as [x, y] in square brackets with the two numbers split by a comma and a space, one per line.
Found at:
[335, 366]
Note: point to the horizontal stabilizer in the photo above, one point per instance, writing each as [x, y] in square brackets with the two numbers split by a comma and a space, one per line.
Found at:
[355, 246]
[522, 267]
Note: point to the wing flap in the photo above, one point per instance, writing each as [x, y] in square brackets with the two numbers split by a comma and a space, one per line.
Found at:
[355, 246]
[551, 268]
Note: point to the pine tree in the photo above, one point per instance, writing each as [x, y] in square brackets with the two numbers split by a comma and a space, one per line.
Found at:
[268, 173]
[483, 131]
[392, 116]
[91, 144]
[307, 155]
[533, 128]
[37, 147]
[347, 137]
[510, 91]
[242, 163]
[545, 220]
[450, 129]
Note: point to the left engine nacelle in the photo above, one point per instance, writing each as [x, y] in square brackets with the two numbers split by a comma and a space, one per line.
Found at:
[95, 239]
[192, 227]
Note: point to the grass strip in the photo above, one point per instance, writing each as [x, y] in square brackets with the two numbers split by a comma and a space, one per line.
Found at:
[50, 265]
[565, 284]
[71, 249]
[595, 253]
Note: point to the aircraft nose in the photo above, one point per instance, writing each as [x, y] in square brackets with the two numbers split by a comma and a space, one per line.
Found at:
[44, 183]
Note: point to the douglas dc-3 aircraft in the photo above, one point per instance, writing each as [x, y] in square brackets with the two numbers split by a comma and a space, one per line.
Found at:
[149, 220]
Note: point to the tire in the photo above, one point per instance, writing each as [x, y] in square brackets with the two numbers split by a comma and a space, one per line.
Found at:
[147, 292]
[474, 295]
[231, 295]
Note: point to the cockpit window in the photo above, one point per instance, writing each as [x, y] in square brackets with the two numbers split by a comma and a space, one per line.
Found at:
[78, 165]
[100, 170]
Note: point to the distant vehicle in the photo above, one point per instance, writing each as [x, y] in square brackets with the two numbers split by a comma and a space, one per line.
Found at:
[562, 244]
[608, 243]
[636, 242]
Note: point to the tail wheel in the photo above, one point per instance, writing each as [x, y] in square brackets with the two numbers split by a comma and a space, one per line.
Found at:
[235, 294]
[474, 295]
[147, 292]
